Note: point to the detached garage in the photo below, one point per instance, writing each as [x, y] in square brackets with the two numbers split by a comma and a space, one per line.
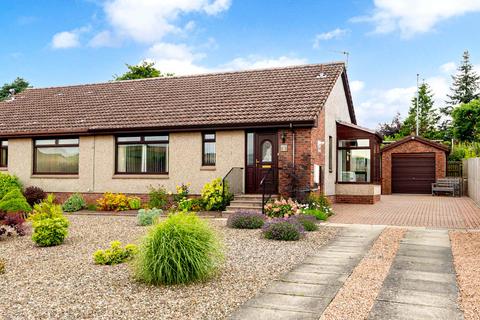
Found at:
[412, 164]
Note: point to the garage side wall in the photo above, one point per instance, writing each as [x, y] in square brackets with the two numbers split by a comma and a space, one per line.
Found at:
[410, 147]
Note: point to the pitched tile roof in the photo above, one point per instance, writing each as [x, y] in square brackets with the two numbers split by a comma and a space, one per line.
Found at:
[257, 97]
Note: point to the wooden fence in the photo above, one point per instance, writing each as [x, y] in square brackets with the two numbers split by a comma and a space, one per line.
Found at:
[455, 169]
[471, 169]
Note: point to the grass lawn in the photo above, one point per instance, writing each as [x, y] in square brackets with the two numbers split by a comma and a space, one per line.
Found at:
[63, 282]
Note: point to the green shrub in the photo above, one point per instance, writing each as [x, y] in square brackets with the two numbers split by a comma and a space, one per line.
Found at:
[181, 249]
[91, 207]
[7, 183]
[319, 202]
[113, 202]
[282, 208]
[50, 227]
[286, 229]
[317, 213]
[47, 209]
[190, 205]
[146, 217]
[74, 203]
[213, 196]
[308, 222]
[14, 201]
[115, 254]
[157, 197]
[134, 203]
[50, 232]
[246, 220]
[182, 192]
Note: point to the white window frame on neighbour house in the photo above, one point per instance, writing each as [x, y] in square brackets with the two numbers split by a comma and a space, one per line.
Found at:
[141, 166]
[3, 153]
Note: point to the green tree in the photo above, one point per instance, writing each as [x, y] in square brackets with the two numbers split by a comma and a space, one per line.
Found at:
[18, 85]
[428, 115]
[465, 85]
[466, 121]
[141, 71]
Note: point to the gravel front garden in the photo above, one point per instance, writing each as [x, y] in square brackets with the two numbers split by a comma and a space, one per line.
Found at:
[465, 249]
[63, 281]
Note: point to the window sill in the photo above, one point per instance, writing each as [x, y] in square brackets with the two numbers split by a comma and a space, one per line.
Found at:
[3, 168]
[208, 168]
[140, 176]
[54, 176]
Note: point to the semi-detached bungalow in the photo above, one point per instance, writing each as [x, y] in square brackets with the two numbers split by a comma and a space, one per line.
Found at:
[292, 126]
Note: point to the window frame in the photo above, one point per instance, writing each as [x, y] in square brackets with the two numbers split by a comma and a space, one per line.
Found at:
[330, 154]
[56, 144]
[369, 147]
[205, 140]
[4, 146]
[142, 142]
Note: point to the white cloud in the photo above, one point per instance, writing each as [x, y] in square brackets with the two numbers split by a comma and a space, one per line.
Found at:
[181, 59]
[259, 62]
[334, 34]
[149, 21]
[65, 39]
[104, 39]
[411, 17]
[68, 39]
[448, 67]
[356, 86]
[376, 106]
[176, 58]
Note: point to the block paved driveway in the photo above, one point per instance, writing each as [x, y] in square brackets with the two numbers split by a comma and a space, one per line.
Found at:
[412, 210]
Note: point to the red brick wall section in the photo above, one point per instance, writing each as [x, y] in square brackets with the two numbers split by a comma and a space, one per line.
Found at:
[357, 199]
[412, 146]
[302, 148]
[91, 198]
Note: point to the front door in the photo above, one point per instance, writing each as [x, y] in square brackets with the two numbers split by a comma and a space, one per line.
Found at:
[261, 162]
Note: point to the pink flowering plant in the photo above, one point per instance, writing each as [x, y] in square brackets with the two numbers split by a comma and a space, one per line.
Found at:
[282, 208]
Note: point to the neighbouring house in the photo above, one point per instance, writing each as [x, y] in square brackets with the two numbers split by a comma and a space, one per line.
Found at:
[293, 128]
[412, 164]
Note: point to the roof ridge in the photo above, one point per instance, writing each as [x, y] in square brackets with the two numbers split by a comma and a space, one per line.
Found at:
[191, 75]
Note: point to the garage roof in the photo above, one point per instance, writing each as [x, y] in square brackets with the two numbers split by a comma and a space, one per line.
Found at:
[419, 139]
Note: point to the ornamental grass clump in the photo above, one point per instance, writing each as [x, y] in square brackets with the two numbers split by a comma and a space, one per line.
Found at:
[246, 220]
[146, 217]
[181, 249]
[286, 229]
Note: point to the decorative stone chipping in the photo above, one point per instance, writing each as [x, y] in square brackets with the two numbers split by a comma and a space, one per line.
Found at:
[412, 145]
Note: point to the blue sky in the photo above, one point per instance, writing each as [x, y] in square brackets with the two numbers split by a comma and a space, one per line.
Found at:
[81, 41]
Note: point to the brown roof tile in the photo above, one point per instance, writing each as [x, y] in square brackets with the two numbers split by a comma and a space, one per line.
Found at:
[273, 96]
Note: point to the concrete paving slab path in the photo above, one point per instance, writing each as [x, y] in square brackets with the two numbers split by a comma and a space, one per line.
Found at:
[306, 291]
[421, 283]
